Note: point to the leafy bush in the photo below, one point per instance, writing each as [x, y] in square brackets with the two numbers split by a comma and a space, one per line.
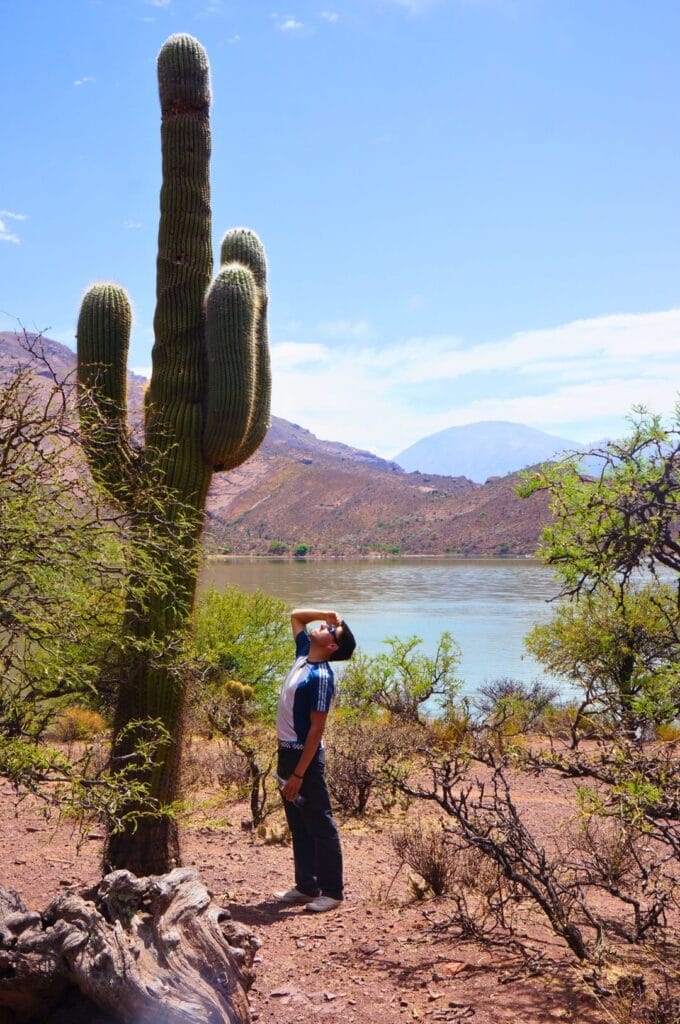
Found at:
[616, 637]
[403, 680]
[514, 704]
[623, 650]
[244, 637]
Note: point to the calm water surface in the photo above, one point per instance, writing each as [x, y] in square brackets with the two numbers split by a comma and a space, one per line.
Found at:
[488, 605]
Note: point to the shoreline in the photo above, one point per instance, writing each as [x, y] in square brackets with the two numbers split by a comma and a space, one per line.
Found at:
[373, 557]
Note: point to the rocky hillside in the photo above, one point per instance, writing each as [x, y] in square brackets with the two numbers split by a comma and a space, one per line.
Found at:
[299, 491]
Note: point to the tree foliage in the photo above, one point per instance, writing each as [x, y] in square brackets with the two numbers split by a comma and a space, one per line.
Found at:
[622, 649]
[614, 544]
[243, 637]
[63, 564]
[60, 565]
[403, 681]
[624, 517]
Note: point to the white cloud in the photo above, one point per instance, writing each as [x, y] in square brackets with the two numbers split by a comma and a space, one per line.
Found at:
[579, 380]
[232, 40]
[290, 25]
[612, 398]
[84, 80]
[132, 225]
[6, 234]
[329, 16]
[142, 371]
[625, 339]
[288, 354]
[158, 3]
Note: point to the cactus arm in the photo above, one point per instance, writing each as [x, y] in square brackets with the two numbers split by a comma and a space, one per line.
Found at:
[243, 246]
[231, 320]
[103, 339]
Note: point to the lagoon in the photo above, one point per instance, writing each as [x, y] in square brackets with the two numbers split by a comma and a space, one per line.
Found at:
[487, 604]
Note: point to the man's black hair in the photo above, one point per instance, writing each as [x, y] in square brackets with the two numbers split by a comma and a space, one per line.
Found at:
[346, 644]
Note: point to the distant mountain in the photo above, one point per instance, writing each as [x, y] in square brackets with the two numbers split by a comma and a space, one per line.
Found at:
[482, 450]
[337, 500]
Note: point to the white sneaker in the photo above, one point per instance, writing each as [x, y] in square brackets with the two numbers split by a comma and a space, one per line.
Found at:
[323, 903]
[294, 896]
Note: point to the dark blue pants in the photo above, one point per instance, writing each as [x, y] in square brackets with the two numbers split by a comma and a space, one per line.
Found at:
[316, 843]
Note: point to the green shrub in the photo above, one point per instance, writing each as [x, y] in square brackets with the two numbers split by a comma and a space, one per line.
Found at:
[244, 637]
[402, 681]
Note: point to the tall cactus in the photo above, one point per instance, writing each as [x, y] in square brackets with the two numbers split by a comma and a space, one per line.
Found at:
[206, 409]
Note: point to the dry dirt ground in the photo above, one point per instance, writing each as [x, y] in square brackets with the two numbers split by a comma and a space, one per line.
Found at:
[380, 957]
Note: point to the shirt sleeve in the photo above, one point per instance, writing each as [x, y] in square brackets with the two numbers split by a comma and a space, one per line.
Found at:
[302, 644]
[322, 688]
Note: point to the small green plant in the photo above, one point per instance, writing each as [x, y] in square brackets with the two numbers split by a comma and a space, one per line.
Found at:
[277, 547]
[301, 550]
[240, 636]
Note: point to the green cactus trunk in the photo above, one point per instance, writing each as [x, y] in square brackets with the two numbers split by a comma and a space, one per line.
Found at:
[206, 409]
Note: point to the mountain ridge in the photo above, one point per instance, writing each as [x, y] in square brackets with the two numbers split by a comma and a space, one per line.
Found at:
[300, 492]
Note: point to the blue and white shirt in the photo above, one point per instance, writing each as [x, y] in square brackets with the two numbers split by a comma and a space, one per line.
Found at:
[307, 687]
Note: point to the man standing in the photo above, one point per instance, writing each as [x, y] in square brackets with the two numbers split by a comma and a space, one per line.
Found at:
[304, 703]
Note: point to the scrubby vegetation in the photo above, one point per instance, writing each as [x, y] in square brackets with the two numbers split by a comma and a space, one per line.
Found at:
[402, 738]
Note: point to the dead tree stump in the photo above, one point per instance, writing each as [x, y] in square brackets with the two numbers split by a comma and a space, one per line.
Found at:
[152, 950]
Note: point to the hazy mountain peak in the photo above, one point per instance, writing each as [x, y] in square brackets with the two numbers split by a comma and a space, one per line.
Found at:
[481, 450]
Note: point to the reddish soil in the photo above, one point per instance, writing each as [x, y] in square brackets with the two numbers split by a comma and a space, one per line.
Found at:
[379, 957]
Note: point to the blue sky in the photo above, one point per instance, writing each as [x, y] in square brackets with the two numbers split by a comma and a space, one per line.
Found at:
[470, 207]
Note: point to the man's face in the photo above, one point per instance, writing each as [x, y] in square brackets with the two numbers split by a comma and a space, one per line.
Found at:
[327, 636]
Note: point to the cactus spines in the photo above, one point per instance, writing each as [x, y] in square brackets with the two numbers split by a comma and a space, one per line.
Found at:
[239, 692]
[206, 408]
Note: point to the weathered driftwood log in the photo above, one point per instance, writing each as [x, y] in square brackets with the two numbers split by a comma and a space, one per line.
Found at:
[151, 950]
